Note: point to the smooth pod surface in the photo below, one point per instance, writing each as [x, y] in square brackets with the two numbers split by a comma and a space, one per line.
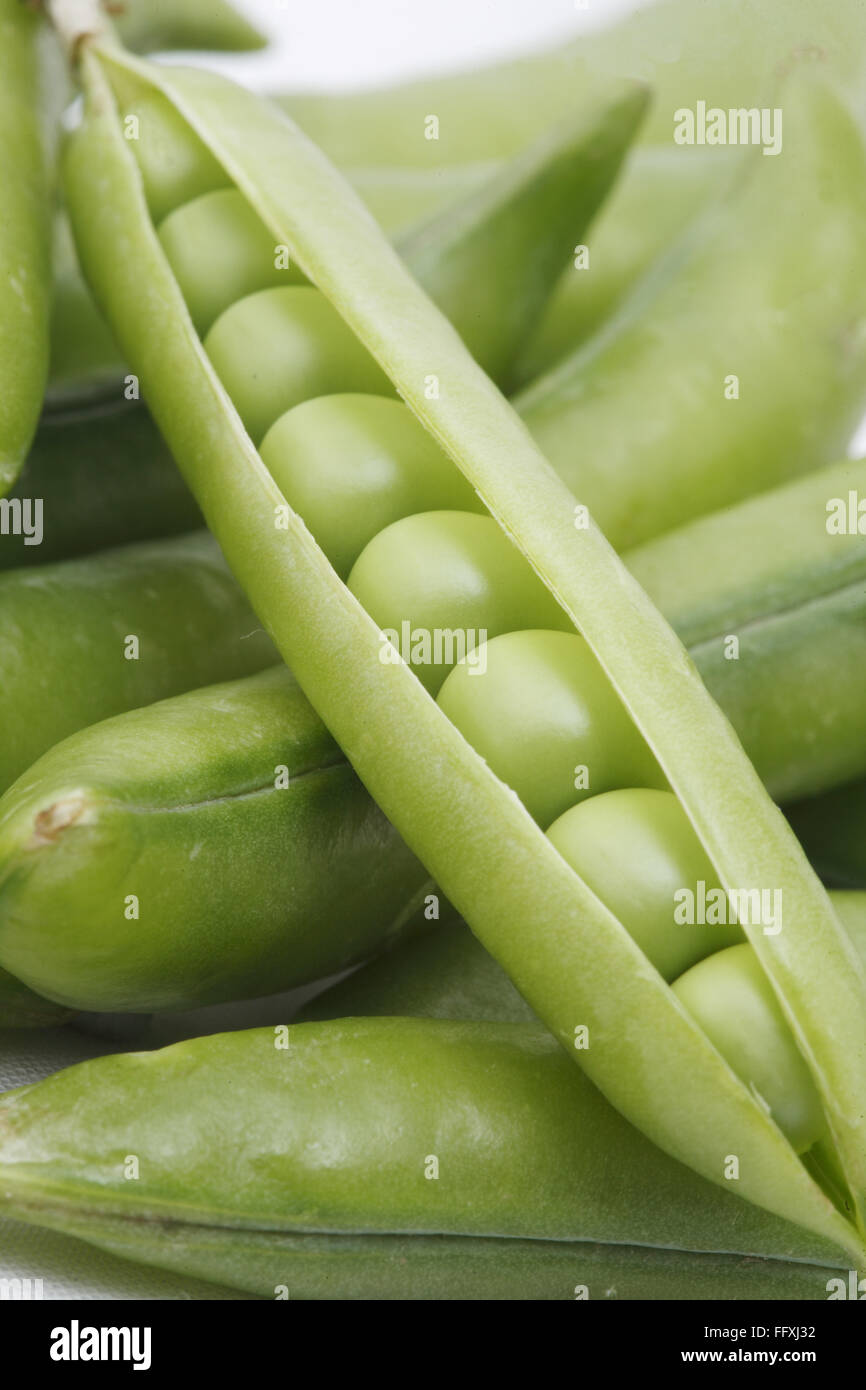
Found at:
[24, 241]
[736, 362]
[251, 855]
[95, 478]
[519, 1141]
[104, 643]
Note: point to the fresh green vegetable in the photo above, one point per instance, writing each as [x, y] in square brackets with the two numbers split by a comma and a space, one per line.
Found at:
[24, 241]
[384, 1158]
[734, 364]
[541, 920]
[56, 894]
[728, 53]
[83, 639]
[146, 25]
[101, 476]
[213, 846]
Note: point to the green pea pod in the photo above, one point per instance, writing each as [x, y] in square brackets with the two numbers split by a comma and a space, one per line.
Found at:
[146, 25]
[767, 365]
[191, 801]
[85, 359]
[102, 622]
[24, 241]
[556, 940]
[769, 597]
[496, 230]
[489, 259]
[659, 192]
[727, 54]
[747, 363]
[254, 857]
[101, 469]
[384, 1158]
[101, 475]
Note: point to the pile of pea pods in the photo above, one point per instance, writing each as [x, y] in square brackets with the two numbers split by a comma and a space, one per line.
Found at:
[433, 583]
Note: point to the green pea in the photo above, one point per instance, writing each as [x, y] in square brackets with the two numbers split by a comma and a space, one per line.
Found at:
[637, 851]
[220, 250]
[352, 464]
[442, 582]
[731, 998]
[545, 718]
[279, 347]
[175, 166]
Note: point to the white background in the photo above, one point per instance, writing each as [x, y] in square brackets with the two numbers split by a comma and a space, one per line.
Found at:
[367, 43]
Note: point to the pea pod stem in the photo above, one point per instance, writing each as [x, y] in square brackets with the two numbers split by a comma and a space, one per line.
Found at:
[540, 920]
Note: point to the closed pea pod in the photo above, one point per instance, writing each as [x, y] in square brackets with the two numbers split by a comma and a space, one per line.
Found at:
[212, 24]
[101, 475]
[24, 242]
[466, 821]
[103, 620]
[58, 893]
[714, 342]
[229, 816]
[728, 54]
[521, 1206]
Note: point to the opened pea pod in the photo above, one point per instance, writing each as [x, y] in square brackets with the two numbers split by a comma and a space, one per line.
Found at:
[565, 950]
[238, 784]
